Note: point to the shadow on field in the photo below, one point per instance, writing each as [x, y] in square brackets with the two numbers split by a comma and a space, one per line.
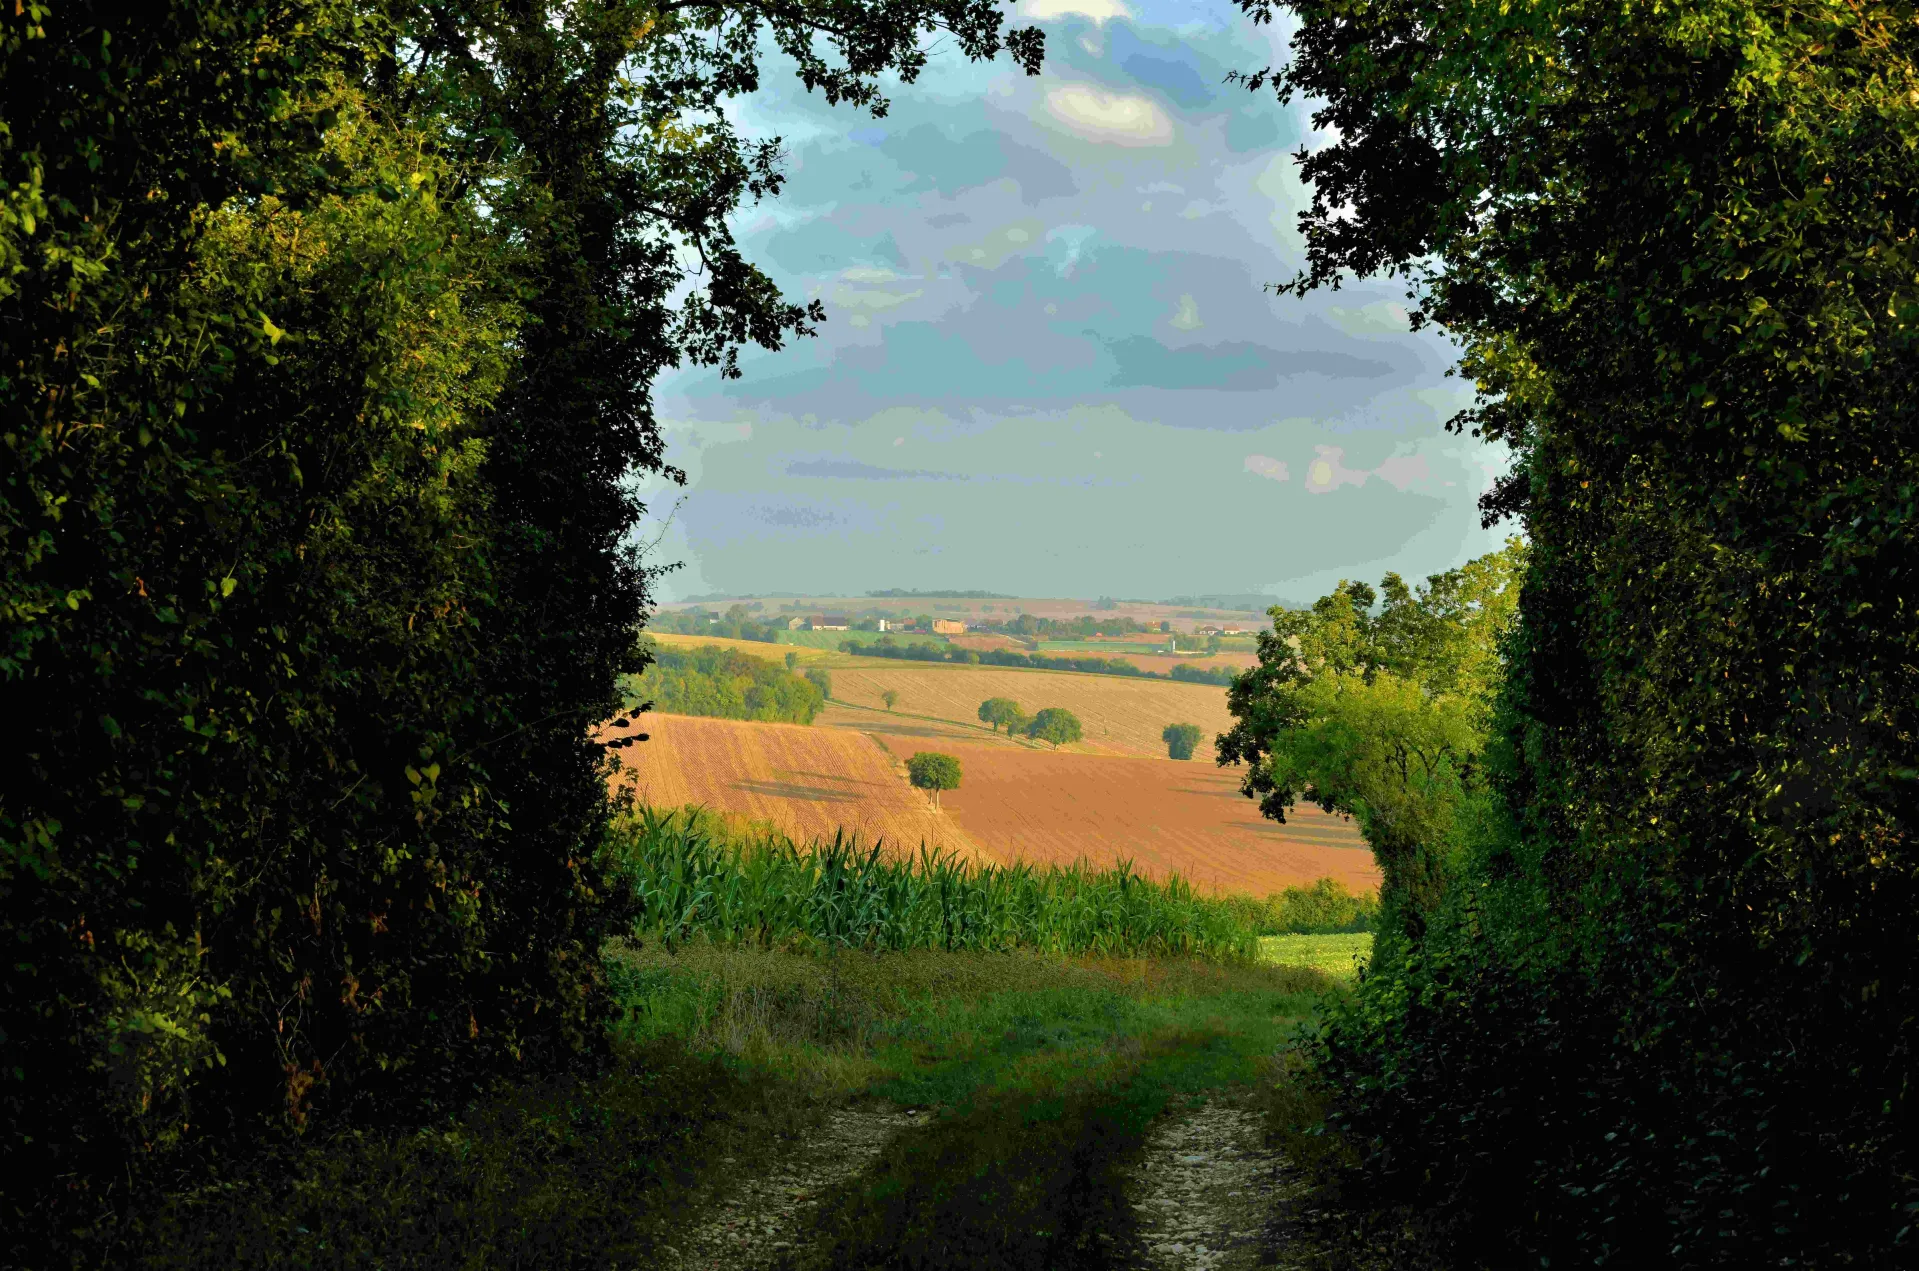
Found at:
[794, 790]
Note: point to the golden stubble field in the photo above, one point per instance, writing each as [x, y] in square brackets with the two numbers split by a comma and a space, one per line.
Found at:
[1014, 803]
[1164, 816]
[1120, 716]
[808, 781]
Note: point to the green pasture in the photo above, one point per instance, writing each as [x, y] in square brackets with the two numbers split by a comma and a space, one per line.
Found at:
[1339, 955]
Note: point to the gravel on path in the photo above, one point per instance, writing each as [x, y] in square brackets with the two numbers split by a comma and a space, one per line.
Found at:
[1210, 1193]
[760, 1218]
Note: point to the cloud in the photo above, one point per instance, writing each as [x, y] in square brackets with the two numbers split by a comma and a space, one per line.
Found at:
[1176, 80]
[948, 165]
[854, 470]
[1401, 472]
[797, 518]
[1271, 469]
[1235, 367]
[1186, 318]
[1097, 10]
[1109, 117]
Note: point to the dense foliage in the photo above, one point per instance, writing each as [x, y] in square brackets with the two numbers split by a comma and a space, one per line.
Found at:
[693, 876]
[1383, 717]
[1666, 1003]
[326, 336]
[1324, 907]
[931, 771]
[1181, 739]
[1054, 724]
[727, 684]
[737, 623]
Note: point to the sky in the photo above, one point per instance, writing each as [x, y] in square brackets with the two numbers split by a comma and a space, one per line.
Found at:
[1050, 366]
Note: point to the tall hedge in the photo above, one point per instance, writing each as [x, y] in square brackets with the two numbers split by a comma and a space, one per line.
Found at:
[326, 333]
[1667, 1013]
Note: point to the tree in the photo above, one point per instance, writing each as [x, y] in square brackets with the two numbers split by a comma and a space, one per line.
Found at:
[821, 680]
[1180, 739]
[792, 661]
[1380, 717]
[933, 772]
[328, 332]
[1676, 246]
[889, 696]
[998, 711]
[1056, 725]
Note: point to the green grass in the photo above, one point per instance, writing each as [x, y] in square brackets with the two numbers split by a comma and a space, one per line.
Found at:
[1044, 1072]
[769, 984]
[1335, 955]
[694, 877]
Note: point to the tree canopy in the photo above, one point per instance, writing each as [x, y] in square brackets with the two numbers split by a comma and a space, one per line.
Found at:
[998, 711]
[933, 772]
[1054, 724]
[1676, 246]
[328, 329]
[1181, 739]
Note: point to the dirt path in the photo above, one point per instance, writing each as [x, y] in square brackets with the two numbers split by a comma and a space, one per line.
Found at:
[1208, 1191]
[761, 1217]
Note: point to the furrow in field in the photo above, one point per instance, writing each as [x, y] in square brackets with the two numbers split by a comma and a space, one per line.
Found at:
[807, 781]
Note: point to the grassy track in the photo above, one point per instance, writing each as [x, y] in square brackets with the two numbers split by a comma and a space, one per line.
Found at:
[1044, 1074]
[1037, 1066]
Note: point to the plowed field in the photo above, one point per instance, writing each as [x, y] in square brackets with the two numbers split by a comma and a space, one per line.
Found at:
[1120, 716]
[1165, 816]
[807, 781]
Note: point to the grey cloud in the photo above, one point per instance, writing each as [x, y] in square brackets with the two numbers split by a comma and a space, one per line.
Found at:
[853, 470]
[946, 166]
[1235, 366]
[797, 518]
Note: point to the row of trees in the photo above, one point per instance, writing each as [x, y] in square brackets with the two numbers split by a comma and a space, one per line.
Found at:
[928, 652]
[326, 330]
[1053, 724]
[1648, 992]
[728, 684]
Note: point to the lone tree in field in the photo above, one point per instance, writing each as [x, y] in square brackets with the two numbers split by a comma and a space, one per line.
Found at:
[792, 661]
[1000, 710]
[889, 697]
[933, 772]
[1180, 740]
[1055, 724]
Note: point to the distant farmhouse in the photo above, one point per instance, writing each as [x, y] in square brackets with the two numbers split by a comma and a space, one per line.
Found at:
[1210, 631]
[946, 626]
[829, 622]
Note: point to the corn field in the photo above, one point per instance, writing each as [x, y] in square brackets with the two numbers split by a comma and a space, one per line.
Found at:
[693, 877]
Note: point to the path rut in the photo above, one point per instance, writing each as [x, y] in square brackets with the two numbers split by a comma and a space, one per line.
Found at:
[764, 1216]
[1209, 1193]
